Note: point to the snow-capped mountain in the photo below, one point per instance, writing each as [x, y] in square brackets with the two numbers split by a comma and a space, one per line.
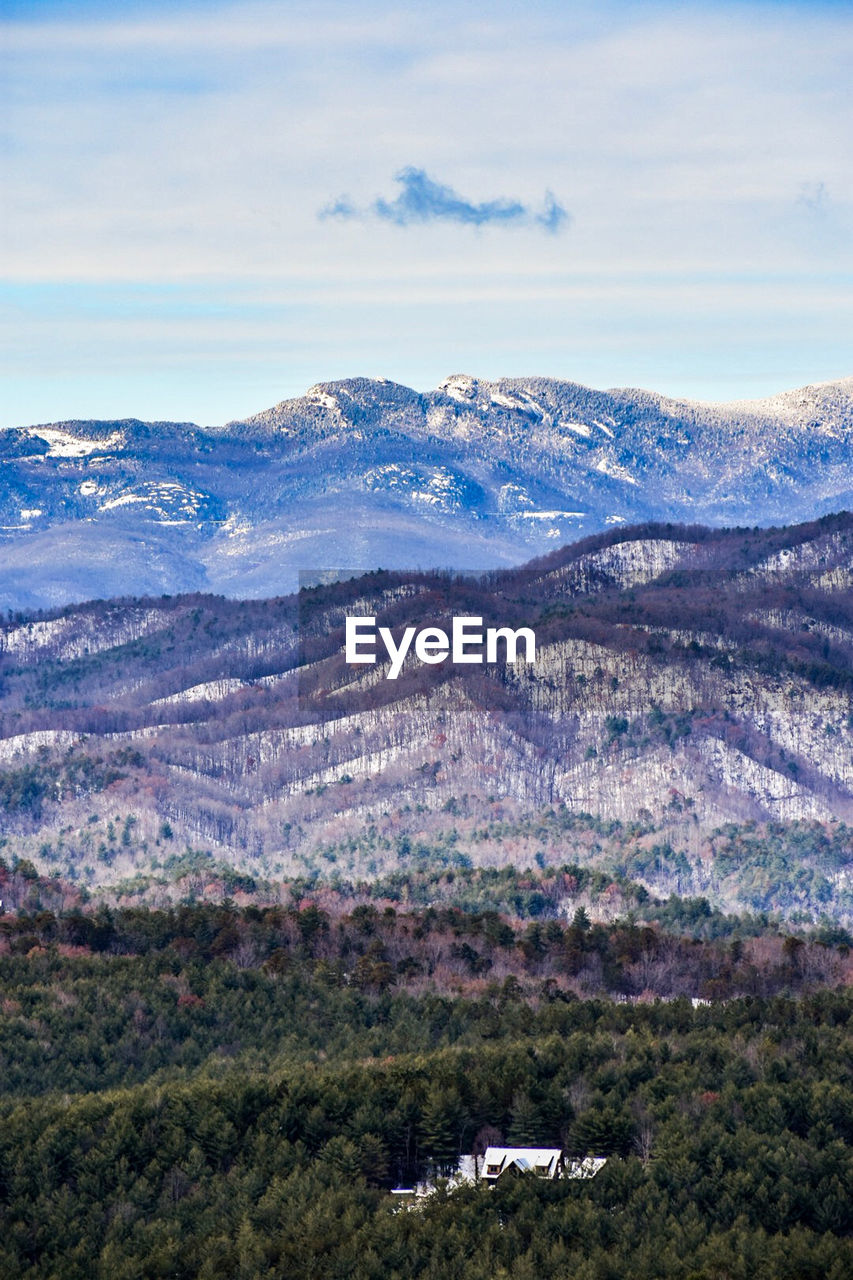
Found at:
[366, 472]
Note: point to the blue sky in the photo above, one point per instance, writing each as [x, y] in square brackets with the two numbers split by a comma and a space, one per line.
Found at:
[209, 207]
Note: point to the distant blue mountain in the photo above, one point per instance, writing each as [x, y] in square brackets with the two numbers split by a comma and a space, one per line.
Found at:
[368, 473]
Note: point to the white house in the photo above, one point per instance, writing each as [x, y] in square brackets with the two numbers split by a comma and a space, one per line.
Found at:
[544, 1162]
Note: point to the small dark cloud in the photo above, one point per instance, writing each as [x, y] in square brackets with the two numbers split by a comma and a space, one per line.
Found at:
[553, 217]
[340, 208]
[422, 199]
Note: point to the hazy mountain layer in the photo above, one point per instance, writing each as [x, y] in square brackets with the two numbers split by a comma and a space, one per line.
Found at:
[366, 473]
[685, 679]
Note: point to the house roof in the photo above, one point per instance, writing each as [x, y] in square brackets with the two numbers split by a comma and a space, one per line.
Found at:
[538, 1159]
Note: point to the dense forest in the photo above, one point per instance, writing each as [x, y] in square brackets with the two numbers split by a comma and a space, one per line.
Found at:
[277, 940]
[215, 1091]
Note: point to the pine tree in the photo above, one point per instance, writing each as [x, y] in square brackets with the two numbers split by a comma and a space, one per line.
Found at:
[440, 1129]
[526, 1125]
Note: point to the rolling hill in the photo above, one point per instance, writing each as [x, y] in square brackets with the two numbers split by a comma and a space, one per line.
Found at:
[687, 723]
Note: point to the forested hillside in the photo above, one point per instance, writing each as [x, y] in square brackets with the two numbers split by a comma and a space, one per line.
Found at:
[210, 1092]
[688, 725]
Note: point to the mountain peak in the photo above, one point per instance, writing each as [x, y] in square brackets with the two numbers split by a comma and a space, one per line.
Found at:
[460, 386]
[364, 471]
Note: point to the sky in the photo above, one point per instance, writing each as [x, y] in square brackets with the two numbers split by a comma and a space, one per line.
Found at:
[209, 207]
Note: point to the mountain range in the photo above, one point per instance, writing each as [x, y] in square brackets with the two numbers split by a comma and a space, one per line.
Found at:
[688, 723]
[364, 472]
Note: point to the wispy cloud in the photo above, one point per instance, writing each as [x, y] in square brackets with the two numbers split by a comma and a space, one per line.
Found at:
[422, 199]
[813, 196]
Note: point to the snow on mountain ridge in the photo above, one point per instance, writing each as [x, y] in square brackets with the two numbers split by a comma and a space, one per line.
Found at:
[474, 474]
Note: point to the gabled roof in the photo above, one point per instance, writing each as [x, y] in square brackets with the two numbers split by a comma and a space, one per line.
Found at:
[542, 1160]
